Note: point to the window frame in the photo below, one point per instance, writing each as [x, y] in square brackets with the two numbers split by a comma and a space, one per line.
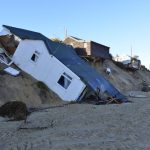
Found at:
[36, 55]
[66, 77]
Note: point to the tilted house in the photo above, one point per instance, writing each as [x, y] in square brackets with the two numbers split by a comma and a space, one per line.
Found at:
[88, 48]
[54, 63]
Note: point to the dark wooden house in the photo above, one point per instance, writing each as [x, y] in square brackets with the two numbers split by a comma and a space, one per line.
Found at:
[88, 48]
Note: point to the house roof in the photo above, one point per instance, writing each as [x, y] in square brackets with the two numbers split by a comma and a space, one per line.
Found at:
[69, 58]
[100, 44]
[81, 40]
[77, 39]
[24, 34]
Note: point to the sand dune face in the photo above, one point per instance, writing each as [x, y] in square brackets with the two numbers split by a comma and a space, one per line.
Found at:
[81, 126]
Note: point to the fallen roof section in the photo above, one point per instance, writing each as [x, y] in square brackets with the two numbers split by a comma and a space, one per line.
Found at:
[69, 58]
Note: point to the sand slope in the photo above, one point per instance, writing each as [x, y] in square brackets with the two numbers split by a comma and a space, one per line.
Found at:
[123, 79]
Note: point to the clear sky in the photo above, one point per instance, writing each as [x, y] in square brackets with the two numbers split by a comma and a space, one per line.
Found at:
[118, 24]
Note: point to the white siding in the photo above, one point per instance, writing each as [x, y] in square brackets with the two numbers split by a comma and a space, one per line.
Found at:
[47, 69]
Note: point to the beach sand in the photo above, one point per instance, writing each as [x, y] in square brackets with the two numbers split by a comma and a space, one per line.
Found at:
[81, 127]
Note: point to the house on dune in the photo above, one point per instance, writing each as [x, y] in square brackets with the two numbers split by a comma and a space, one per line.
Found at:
[56, 64]
[88, 49]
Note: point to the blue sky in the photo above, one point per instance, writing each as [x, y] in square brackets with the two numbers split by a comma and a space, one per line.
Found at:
[118, 24]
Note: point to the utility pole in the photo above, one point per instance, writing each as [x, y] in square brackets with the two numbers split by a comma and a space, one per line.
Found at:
[131, 51]
[66, 32]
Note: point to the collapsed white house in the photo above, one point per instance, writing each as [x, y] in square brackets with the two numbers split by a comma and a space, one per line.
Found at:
[54, 63]
[32, 57]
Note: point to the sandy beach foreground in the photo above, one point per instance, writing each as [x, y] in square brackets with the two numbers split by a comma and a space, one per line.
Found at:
[81, 127]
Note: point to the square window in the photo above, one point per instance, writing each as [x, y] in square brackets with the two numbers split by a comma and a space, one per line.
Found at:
[64, 81]
[34, 57]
